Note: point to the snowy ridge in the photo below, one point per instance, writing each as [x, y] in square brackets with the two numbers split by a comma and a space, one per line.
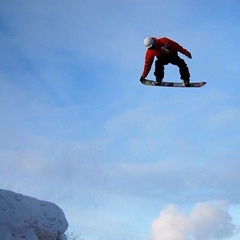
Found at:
[23, 217]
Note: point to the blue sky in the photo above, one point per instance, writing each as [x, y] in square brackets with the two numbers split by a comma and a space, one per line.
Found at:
[123, 160]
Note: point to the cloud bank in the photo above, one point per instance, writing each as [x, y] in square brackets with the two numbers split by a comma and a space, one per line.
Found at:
[206, 221]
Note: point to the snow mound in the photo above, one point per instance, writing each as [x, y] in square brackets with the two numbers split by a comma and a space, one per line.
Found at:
[27, 218]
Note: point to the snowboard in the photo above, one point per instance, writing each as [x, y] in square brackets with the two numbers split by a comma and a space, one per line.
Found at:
[172, 84]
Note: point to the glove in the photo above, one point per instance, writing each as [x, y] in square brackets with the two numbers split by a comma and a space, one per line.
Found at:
[188, 54]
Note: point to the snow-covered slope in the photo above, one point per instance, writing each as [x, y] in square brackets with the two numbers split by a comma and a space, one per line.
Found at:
[23, 217]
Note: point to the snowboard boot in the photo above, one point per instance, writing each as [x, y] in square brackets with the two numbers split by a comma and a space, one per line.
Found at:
[159, 81]
[186, 82]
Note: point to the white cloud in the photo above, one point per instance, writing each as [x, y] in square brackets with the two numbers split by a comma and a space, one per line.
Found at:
[206, 221]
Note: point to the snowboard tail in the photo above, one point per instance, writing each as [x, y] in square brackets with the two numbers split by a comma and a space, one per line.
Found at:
[172, 84]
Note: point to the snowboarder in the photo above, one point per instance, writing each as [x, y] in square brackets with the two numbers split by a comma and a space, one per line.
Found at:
[166, 51]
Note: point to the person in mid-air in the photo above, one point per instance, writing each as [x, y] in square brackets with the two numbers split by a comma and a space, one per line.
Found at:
[166, 51]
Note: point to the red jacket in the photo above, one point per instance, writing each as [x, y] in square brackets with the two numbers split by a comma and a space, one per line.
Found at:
[171, 48]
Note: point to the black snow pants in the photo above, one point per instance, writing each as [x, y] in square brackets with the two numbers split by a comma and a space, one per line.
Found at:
[175, 60]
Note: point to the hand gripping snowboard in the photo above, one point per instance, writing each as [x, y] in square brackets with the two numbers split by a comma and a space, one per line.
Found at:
[172, 84]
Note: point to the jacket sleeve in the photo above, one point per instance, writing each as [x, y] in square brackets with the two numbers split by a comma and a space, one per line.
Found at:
[176, 47]
[148, 64]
